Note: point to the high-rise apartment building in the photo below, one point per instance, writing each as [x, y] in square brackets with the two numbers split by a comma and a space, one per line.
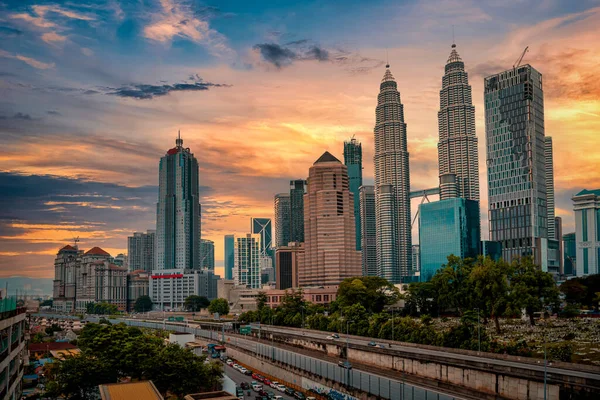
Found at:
[207, 254]
[353, 160]
[586, 205]
[178, 210]
[14, 331]
[247, 256]
[297, 191]
[329, 236]
[288, 260]
[368, 230]
[514, 127]
[549, 174]
[65, 274]
[228, 257]
[137, 286]
[169, 289]
[457, 146]
[447, 227]
[392, 184]
[282, 212]
[140, 251]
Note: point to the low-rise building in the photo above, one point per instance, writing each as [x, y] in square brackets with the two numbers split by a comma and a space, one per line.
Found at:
[138, 284]
[170, 287]
[181, 338]
[318, 295]
[144, 390]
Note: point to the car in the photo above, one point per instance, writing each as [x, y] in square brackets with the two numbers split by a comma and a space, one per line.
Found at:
[330, 337]
[311, 398]
[239, 392]
[257, 387]
[380, 346]
[270, 394]
[229, 362]
[335, 335]
[345, 364]
[372, 344]
[267, 382]
[243, 370]
[262, 392]
[261, 378]
[277, 398]
[299, 395]
[248, 372]
[281, 388]
[245, 385]
[255, 376]
[289, 391]
[274, 385]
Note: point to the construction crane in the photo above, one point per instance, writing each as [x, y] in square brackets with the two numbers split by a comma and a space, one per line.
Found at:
[516, 65]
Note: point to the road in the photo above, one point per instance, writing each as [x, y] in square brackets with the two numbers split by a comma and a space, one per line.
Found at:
[237, 377]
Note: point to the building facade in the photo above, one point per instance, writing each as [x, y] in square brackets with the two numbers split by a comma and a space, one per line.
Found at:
[138, 285]
[514, 121]
[207, 254]
[66, 266]
[247, 256]
[329, 230]
[263, 227]
[169, 288]
[368, 230]
[586, 205]
[140, 251]
[353, 160]
[570, 246]
[288, 260]
[324, 295]
[447, 227]
[491, 249]
[549, 174]
[178, 210]
[13, 350]
[297, 191]
[282, 211]
[558, 236]
[457, 146]
[228, 257]
[416, 258]
[392, 184]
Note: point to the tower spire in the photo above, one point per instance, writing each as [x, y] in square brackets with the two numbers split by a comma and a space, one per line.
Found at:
[179, 141]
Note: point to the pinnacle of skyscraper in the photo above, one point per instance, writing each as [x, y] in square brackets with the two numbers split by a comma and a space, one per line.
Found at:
[388, 77]
[454, 57]
[179, 140]
[327, 157]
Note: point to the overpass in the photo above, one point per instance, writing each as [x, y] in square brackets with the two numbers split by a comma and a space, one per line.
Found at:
[439, 373]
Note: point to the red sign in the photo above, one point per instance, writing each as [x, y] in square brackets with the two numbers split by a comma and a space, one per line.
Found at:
[167, 276]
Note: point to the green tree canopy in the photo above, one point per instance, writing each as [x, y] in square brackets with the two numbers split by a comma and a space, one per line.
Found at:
[452, 284]
[102, 308]
[489, 280]
[372, 292]
[143, 304]
[196, 303]
[220, 306]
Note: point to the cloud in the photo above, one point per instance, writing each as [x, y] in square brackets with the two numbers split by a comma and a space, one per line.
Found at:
[87, 52]
[275, 54]
[28, 60]
[18, 116]
[145, 92]
[53, 37]
[53, 112]
[6, 31]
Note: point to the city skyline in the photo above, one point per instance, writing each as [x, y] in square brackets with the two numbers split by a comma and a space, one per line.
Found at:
[93, 132]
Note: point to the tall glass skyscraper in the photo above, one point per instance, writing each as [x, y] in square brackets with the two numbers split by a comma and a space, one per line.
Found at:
[447, 227]
[514, 128]
[392, 184]
[178, 210]
[457, 146]
[207, 254]
[228, 260]
[368, 230]
[549, 159]
[297, 191]
[282, 212]
[353, 160]
[247, 254]
[263, 227]
[586, 205]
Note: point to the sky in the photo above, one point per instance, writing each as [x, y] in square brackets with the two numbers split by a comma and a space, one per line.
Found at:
[93, 93]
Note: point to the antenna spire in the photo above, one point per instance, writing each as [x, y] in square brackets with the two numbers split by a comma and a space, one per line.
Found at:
[387, 58]
[453, 41]
[179, 141]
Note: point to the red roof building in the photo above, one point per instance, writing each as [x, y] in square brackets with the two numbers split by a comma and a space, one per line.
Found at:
[96, 251]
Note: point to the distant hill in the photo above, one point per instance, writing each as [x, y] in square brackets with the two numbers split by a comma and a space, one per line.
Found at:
[25, 285]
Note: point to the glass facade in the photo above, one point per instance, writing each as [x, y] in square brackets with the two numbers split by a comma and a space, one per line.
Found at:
[447, 227]
[297, 191]
[228, 259]
[282, 212]
[353, 160]
[570, 246]
[263, 227]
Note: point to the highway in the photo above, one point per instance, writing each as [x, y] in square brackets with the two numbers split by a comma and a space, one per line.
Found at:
[237, 377]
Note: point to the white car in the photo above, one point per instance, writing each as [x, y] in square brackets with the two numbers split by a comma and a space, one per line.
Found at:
[281, 388]
[274, 385]
[257, 388]
[277, 398]
[243, 370]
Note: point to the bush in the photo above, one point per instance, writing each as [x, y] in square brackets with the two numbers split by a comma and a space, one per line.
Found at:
[560, 351]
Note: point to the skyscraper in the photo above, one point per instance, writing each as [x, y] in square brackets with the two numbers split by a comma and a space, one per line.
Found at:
[228, 257]
[289, 260]
[457, 146]
[586, 205]
[353, 160]
[570, 245]
[330, 243]
[549, 174]
[263, 227]
[207, 254]
[178, 210]
[247, 253]
[282, 212]
[297, 191]
[368, 231]
[514, 128]
[140, 251]
[392, 184]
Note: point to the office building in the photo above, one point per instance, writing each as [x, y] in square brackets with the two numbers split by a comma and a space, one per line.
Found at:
[178, 210]
[586, 205]
[100, 281]
[323, 295]
[14, 356]
[457, 146]
[228, 257]
[262, 227]
[65, 269]
[140, 251]
[329, 229]
[282, 212]
[558, 235]
[491, 249]
[416, 258]
[207, 254]
[138, 285]
[297, 191]
[514, 127]
[368, 230]
[570, 246]
[288, 260]
[392, 185]
[169, 288]
[549, 174]
[353, 160]
[447, 227]
[247, 256]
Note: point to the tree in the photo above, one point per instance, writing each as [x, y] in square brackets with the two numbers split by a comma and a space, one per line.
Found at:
[531, 289]
[452, 285]
[574, 290]
[143, 304]
[220, 306]
[261, 301]
[421, 298]
[101, 308]
[372, 292]
[489, 280]
[196, 303]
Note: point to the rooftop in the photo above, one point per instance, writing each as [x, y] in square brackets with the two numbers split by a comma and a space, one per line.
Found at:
[220, 395]
[144, 390]
[327, 157]
[585, 191]
[388, 77]
[51, 346]
[67, 248]
[96, 251]
[454, 57]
